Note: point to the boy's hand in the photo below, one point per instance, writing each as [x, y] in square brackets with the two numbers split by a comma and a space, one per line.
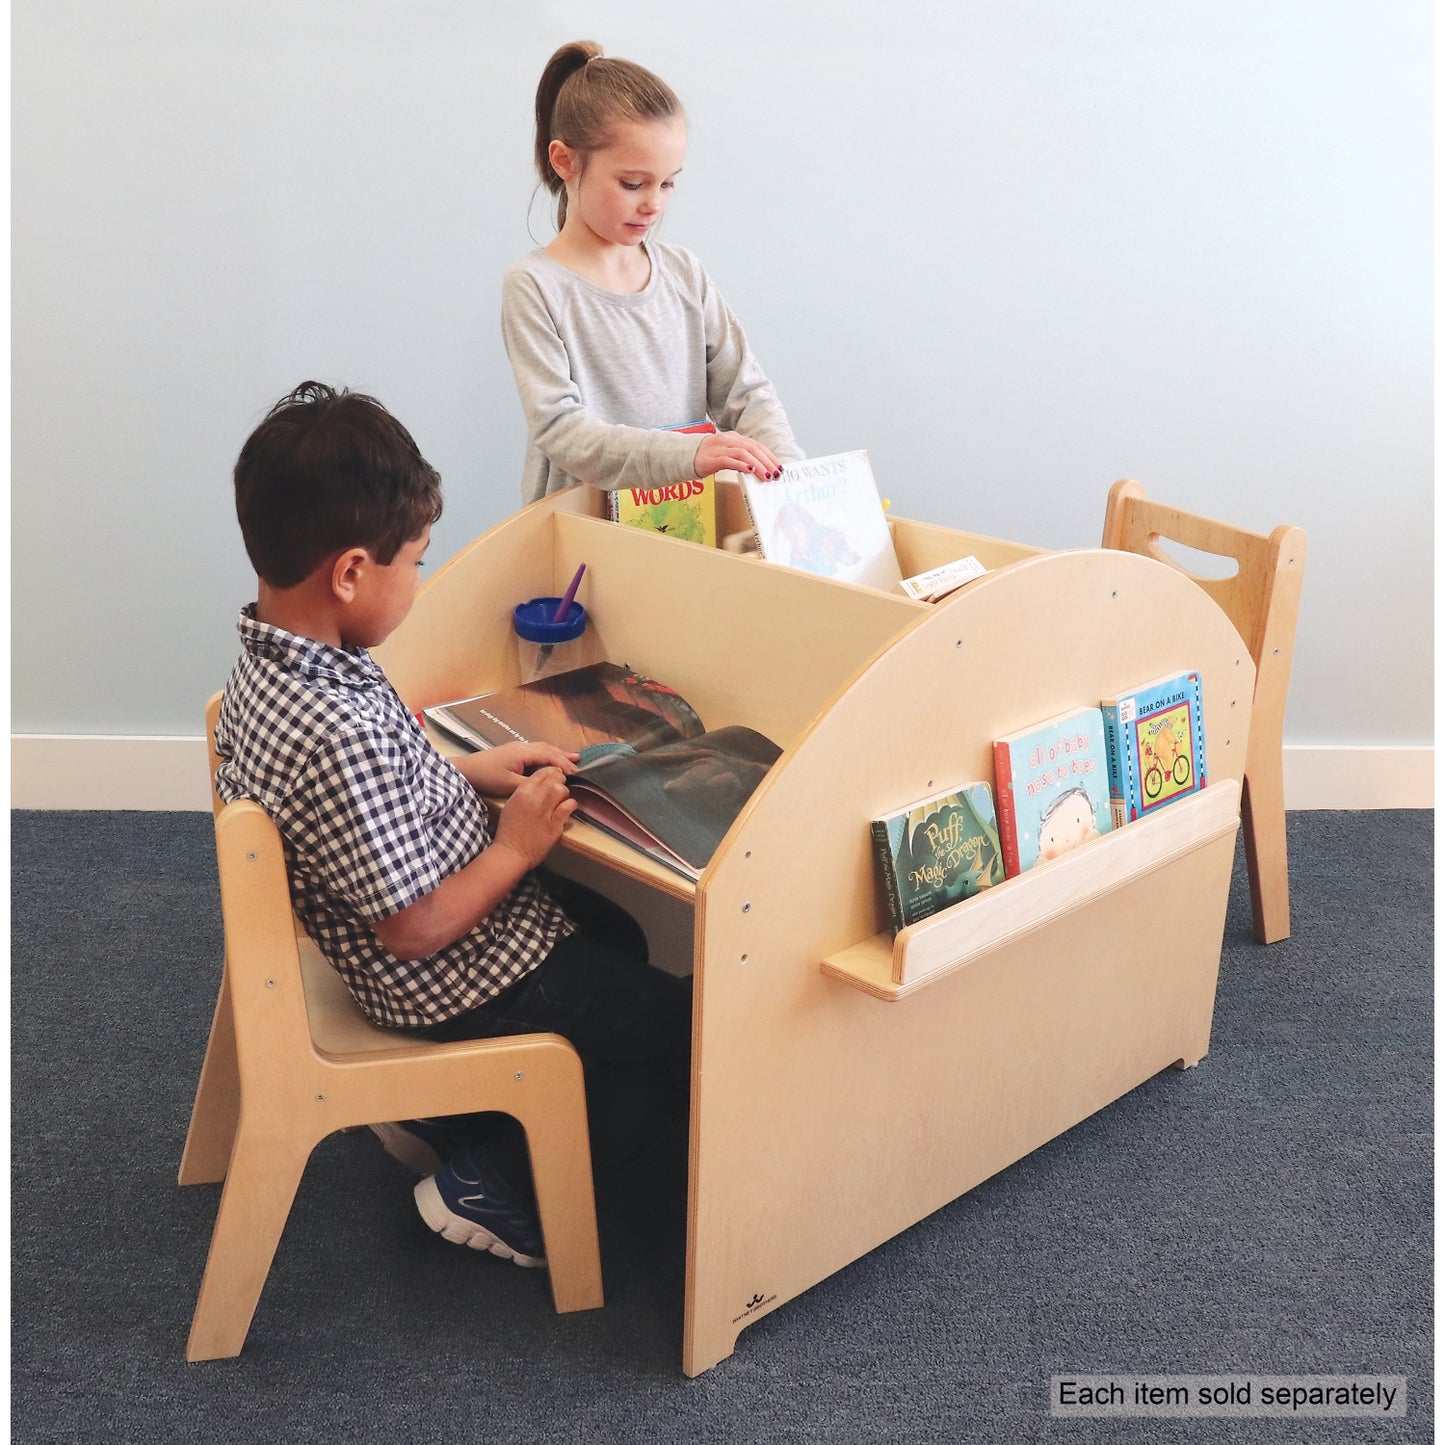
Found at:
[497, 772]
[531, 823]
[732, 450]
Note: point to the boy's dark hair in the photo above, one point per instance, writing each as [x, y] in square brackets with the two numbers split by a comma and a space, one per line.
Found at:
[325, 471]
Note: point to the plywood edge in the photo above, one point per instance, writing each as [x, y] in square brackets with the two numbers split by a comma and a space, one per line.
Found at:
[868, 966]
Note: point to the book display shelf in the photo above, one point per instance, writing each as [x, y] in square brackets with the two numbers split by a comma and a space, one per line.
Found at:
[829, 1056]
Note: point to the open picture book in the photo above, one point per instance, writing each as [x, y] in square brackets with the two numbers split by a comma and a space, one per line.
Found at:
[650, 773]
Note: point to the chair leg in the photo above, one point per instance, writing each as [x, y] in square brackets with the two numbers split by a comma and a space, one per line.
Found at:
[561, 1158]
[1265, 852]
[217, 1107]
[260, 1187]
[568, 1213]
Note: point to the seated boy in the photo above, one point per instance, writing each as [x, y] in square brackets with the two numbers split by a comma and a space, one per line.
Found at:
[436, 923]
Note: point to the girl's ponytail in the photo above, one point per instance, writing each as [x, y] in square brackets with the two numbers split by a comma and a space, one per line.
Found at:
[578, 102]
[563, 65]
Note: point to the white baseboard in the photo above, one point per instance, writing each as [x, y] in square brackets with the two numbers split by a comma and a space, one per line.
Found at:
[150, 774]
[154, 774]
[1359, 777]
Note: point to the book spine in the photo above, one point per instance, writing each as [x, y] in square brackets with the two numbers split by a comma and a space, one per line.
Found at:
[1116, 747]
[1201, 763]
[1008, 836]
[753, 520]
[612, 506]
[886, 863]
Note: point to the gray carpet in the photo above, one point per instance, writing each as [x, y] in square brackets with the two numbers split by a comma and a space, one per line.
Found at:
[1267, 1212]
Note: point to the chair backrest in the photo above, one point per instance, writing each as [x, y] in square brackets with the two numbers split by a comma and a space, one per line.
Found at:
[263, 963]
[213, 713]
[1261, 599]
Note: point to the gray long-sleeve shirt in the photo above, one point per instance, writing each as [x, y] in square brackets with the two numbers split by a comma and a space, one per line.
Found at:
[601, 375]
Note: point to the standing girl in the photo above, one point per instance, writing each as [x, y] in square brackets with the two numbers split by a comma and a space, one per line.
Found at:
[615, 337]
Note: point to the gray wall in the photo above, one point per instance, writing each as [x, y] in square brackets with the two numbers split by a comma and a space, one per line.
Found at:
[1015, 250]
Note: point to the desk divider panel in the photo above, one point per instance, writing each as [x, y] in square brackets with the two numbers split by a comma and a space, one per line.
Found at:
[743, 640]
[922, 546]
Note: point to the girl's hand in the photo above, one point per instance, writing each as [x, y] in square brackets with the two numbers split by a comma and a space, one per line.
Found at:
[498, 772]
[735, 452]
[531, 823]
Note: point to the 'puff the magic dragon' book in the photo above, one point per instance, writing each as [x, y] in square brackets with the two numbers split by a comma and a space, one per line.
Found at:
[937, 852]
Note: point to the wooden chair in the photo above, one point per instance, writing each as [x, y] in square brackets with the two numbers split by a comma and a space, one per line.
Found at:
[291, 1059]
[1262, 600]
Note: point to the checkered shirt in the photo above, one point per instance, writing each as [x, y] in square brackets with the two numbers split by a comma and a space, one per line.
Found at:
[372, 818]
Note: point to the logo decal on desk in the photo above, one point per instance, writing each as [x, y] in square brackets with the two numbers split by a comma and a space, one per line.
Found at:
[754, 1305]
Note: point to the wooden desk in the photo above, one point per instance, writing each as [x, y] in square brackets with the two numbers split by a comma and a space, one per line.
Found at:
[834, 1105]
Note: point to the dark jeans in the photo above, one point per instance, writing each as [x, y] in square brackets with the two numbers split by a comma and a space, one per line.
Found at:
[630, 1023]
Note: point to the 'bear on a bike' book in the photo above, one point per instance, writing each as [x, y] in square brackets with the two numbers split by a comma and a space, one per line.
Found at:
[1154, 737]
[1053, 788]
[650, 773]
[937, 852]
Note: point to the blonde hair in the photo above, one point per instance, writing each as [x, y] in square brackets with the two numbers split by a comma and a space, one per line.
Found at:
[581, 96]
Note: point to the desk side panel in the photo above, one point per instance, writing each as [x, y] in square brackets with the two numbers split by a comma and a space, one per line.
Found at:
[825, 1120]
